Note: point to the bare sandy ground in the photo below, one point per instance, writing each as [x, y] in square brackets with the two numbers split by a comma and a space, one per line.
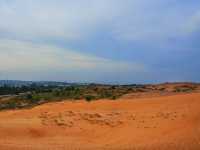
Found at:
[160, 123]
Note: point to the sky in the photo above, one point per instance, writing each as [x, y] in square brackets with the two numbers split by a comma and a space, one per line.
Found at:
[104, 41]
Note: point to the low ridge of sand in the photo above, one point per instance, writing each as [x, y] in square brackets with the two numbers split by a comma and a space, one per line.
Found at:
[165, 123]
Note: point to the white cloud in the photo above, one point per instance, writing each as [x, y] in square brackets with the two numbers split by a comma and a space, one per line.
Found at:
[71, 20]
[19, 56]
[54, 19]
[155, 21]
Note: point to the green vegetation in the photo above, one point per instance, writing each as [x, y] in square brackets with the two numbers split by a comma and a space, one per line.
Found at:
[35, 95]
[32, 95]
[89, 98]
[185, 88]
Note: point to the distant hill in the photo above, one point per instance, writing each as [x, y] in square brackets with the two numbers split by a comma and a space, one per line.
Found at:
[18, 83]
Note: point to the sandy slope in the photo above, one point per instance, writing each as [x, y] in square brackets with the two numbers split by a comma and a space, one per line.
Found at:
[169, 122]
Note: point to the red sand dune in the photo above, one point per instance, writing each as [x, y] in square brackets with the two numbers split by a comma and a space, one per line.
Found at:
[167, 122]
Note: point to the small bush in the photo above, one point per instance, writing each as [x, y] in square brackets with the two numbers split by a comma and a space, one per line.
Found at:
[89, 98]
[29, 96]
[114, 97]
[11, 105]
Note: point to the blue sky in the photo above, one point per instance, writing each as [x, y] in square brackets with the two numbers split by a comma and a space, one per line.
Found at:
[110, 41]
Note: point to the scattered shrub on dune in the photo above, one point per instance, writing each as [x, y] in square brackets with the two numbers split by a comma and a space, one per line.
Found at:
[89, 98]
[34, 95]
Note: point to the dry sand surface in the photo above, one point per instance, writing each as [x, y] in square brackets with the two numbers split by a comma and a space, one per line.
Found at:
[160, 123]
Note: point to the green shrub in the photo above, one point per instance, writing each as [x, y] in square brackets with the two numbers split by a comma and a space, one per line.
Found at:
[11, 105]
[89, 98]
[114, 97]
[29, 96]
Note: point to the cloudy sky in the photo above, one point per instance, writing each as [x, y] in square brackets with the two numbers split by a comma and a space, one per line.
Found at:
[112, 41]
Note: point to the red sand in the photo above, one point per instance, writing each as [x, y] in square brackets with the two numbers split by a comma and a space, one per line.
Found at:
[168, 122]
